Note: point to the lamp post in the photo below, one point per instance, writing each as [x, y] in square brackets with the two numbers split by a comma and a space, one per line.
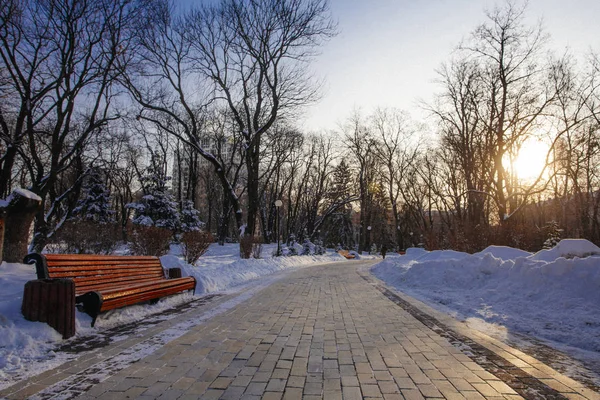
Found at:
[278, 203]
[369, 239]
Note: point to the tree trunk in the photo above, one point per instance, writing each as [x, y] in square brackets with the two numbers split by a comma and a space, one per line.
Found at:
[230, 197]
[223, 227]
[252, 164]
[5, 173]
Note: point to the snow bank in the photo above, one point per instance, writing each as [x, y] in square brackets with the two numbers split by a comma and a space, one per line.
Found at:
[21, 341]
[221, 267]
[553, 294]
[503, 252]
[568, 248]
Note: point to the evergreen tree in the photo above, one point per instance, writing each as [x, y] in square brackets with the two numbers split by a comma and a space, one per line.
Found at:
[157, 206]
[190, 217]
[553, 233]
[94, 204]
[338, 228]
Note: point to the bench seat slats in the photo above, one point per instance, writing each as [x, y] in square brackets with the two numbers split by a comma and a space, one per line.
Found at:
[145, 287]
[94, 257]
[142, 296]
[65, 273]
[103, 286]
[120, 286]
[91, 264]
[87, 278]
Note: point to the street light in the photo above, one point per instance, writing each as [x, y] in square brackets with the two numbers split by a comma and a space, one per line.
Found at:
[278, 203]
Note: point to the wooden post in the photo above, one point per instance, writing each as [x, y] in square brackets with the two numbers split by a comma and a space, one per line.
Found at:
[51, 301]
[20, 209]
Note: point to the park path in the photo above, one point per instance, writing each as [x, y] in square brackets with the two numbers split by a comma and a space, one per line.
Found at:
[332, 331]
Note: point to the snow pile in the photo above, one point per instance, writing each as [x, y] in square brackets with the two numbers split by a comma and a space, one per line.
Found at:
[568, 248]
[21, 192]
[20, 340]
[24, 344]
[553, 294]
[504, 253]
[221, 268]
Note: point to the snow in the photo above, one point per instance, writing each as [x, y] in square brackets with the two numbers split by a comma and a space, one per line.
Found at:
[21, 341]
[28, 194]
[21, 192]
[504, 252]
[552, 295]
[221, 267]
[568, 248]
[26, 348]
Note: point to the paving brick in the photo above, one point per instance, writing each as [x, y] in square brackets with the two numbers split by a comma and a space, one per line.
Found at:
[349, 381]
[371, 391]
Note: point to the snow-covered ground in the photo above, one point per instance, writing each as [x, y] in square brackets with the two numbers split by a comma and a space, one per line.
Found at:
[552, 295]
[26, 348]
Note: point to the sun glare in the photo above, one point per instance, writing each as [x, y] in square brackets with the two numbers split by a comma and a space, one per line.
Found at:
[530, 160]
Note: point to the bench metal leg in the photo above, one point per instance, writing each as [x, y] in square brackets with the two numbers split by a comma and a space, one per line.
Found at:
[92, 303]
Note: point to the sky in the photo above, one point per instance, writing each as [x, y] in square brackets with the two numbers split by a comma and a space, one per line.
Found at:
[387, 51]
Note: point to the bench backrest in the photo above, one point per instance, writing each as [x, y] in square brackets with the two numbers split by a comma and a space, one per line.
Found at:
[94, 272]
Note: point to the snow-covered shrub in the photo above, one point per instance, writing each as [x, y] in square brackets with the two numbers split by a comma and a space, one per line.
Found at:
[319, 248]
[306, 248]
[150, 240]
[292, 251]
[194, 244]
[291, 240]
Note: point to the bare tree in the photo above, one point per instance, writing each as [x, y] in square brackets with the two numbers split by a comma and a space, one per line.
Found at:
[255, 54]
[397, 150]
[513, 91]
[360, 142]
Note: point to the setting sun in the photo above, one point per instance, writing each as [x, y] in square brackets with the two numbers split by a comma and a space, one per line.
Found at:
[530, 160]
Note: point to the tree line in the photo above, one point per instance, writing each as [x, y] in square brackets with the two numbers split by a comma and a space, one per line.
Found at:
[134, 112]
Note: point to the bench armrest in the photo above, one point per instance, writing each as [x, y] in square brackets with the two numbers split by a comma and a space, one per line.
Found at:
[41, 266]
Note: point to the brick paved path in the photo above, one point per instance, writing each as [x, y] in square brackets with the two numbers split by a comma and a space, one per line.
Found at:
[329, 332]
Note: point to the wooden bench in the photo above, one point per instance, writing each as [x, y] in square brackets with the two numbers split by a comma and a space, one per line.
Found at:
[104, 283]
[346, 254]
